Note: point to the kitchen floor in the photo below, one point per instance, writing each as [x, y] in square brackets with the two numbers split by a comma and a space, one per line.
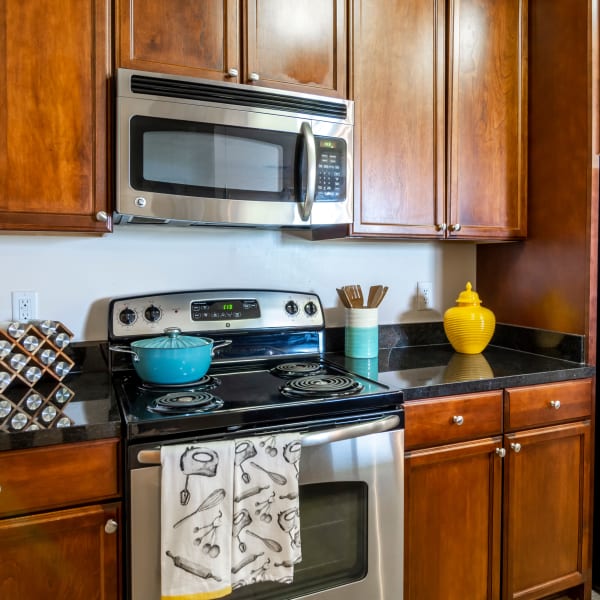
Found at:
[595, 596]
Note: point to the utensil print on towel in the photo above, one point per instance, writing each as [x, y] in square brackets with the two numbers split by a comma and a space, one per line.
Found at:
[274, 477]
[240, 520]
[243, 451]
[197, 461]
[208, 536]
[212, 500]
[288, 521]
[269, 543]
[192, 567]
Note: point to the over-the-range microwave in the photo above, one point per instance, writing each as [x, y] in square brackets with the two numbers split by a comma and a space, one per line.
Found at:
[192, 151]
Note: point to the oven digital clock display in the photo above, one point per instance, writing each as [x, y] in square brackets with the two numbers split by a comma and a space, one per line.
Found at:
[225, 310]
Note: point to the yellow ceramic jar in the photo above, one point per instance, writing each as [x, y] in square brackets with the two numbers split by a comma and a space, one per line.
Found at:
[468, 325]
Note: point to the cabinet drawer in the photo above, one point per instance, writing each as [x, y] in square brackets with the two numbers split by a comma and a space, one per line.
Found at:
[548, 403]
[452, 418]
[55, 476]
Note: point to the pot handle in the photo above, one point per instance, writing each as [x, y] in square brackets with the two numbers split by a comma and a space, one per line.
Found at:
[221, 344]
[136, 358]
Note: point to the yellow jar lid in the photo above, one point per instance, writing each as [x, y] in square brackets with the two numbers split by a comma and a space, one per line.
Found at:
[468, 297]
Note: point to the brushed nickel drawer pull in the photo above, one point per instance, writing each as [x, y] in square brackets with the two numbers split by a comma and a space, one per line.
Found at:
[458, 419]
[501, 452]
[555, 404]
[516, 446]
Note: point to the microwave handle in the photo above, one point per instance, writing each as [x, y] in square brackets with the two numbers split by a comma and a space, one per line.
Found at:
[311, 176]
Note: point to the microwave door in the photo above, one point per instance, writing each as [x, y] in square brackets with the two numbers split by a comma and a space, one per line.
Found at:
[307, 187]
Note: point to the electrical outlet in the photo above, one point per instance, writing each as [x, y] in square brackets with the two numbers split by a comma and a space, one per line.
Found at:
[24, 306]
[424, 295]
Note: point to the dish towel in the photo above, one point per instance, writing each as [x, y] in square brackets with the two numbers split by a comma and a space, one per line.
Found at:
[229, 515]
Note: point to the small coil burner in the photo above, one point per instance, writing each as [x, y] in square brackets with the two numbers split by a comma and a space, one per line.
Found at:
[184, 403]
[208, 382]
[321, 386]
[291, 370]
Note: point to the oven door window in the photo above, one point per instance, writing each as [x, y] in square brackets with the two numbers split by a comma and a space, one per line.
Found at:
[205, 160]
[333, 530]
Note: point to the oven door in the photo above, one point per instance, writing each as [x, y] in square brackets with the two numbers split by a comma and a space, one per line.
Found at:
[351, 514]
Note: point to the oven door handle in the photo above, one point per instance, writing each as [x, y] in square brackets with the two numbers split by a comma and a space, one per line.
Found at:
[338, 434]
[350, 432]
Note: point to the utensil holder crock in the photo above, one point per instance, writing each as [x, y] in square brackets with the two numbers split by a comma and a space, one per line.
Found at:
[361, 339]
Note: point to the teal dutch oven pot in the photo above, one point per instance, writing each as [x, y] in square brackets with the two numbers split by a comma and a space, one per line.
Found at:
[173, 358]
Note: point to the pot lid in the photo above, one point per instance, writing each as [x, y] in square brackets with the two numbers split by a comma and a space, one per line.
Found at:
[468, 297]
[173, 339]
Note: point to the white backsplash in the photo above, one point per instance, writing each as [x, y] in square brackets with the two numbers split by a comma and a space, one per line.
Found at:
[75, 276]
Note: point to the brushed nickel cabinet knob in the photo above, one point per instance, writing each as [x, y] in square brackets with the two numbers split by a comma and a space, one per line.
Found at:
[111, 526]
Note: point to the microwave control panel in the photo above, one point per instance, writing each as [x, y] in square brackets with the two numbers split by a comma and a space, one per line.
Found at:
[331, 169]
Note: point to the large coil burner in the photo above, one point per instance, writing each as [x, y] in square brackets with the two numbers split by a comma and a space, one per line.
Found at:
[319, 386]
[185, 403]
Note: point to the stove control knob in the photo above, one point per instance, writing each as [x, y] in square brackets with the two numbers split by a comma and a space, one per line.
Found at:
[291, 308]
[152, 313]
[127, 316]
[310, 308]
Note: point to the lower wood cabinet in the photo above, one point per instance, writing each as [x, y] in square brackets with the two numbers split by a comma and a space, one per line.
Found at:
[503, 516]
[69, 554]
[60, 521]
[546, 511]
[453, 497]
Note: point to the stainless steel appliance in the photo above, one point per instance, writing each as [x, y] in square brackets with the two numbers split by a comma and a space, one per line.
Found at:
[273, 377]
[191, 152]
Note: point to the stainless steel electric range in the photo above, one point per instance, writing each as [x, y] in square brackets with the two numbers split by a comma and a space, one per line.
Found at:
[274, 376]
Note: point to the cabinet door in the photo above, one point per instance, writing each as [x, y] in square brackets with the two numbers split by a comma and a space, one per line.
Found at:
[299, 46]
[398, 85]
[546, 503]
[487, 118]
[65, 554]
[452, 522]
[198, 38]
[54, 68]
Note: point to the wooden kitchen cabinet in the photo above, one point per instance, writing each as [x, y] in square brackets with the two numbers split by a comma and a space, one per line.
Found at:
[440, 138]
[463, 502]
[547, 490]
[297, 46]
[54, 68]
[60, 513]
[452, 515]
[453, 498]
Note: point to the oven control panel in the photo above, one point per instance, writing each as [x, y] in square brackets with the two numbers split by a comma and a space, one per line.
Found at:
[214, 310]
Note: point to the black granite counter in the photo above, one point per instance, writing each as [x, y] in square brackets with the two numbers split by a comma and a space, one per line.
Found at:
[431, 371]
[418, 359]
[415, 359]
[92, 410]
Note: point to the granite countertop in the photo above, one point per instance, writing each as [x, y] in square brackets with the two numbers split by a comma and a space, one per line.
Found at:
[92, 410]
[415, 359]
[432, 371]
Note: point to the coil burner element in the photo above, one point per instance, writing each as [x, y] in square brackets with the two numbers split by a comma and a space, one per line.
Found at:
[208, 382]
[185, 403]
[321, 386]
[290, 370]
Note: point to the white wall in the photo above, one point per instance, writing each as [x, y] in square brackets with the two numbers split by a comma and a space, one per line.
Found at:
[75, 276]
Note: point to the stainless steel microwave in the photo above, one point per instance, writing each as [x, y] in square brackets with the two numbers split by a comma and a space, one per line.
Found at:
[192, 151]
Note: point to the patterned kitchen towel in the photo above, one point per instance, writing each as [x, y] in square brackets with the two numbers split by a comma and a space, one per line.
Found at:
[266, 520]
[196, 520]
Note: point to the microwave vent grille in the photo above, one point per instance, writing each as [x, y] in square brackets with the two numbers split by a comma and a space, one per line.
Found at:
[205, 92]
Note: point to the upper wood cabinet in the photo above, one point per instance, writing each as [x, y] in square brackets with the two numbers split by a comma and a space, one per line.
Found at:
[298, 46]
[54, 69]
[440, 91]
